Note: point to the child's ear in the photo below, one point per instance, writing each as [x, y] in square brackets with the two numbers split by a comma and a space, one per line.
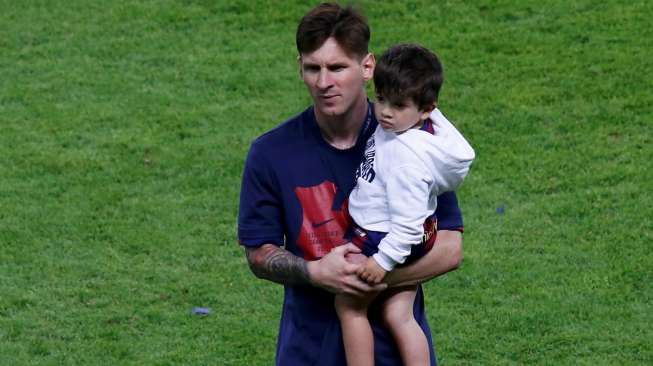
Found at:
[427, 111]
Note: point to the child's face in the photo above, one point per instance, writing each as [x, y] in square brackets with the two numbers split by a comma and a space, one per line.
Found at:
[398, 117]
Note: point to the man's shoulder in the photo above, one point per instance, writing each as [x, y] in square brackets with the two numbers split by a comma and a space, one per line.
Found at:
[291, 130]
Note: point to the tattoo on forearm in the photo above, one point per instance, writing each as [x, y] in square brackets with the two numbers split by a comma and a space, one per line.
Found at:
[278, 265]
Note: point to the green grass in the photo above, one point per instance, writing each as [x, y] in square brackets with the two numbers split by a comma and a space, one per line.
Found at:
[123, 130]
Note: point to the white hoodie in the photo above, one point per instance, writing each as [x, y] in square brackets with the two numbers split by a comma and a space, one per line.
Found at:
[399, 180]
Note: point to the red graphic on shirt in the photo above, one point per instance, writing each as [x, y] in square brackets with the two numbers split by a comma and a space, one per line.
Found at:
[322, 228]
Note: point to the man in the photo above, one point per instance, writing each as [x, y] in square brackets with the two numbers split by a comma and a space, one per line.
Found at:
[293, 210]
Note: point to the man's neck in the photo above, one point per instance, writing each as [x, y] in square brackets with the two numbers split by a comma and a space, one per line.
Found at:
[342, 131]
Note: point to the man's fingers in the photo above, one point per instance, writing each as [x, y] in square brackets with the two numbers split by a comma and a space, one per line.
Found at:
[361, 292]
[356, 258]
[349, 248]
[358, 285]
[351, 268]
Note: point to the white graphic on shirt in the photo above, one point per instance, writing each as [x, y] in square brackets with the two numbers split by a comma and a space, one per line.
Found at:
[366, 169]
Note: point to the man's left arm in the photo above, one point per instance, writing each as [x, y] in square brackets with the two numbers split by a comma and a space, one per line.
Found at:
[445, 256]
[447, 252]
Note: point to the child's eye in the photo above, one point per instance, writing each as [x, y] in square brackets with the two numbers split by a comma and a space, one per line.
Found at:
[379, 98]
[399, 105]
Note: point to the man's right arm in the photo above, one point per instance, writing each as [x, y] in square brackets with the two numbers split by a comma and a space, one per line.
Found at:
[278, 265]
[333, 272]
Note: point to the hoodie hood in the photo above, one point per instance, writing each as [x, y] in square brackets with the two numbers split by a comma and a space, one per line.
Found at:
[446, 153]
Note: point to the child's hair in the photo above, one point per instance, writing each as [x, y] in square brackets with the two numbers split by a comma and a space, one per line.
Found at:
[409, 71]
[347, 25]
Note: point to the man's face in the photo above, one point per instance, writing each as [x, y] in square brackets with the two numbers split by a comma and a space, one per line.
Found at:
[334, 79]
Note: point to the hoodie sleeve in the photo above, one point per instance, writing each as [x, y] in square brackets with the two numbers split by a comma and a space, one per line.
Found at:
[407, 189]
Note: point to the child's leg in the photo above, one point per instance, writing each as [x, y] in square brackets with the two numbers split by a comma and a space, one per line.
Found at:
[356, 330]
[410, 338]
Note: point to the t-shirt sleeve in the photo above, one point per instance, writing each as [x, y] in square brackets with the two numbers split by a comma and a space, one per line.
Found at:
[260, 211]
[448, 213]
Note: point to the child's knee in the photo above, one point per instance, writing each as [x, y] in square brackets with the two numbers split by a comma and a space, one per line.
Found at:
[346, 309]
[394, 317]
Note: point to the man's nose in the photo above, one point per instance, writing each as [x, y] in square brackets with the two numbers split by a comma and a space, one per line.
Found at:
[324, 80]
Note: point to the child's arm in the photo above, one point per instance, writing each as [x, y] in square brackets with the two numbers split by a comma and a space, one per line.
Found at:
[372, 272]
[407, 193]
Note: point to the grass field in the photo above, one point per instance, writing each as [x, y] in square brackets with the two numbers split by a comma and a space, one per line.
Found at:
[123, 130]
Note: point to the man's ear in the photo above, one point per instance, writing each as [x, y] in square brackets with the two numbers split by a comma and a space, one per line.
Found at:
[368, 63]
[299, 63]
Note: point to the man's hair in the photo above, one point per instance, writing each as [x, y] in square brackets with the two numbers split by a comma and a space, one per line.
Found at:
[347, 25]
[409, 71]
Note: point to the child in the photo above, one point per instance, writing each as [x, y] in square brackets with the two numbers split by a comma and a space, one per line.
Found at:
[414, 155]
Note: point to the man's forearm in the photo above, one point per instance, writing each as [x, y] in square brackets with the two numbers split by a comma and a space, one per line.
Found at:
[445, 256]
[278, 265]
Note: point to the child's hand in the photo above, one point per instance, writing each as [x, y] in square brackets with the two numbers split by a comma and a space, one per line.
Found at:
[372, 272]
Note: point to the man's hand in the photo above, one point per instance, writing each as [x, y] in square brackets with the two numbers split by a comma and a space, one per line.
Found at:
[372, 272]
[335, 273]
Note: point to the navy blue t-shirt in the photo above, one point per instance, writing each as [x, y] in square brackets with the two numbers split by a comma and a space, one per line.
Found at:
[294, 194]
